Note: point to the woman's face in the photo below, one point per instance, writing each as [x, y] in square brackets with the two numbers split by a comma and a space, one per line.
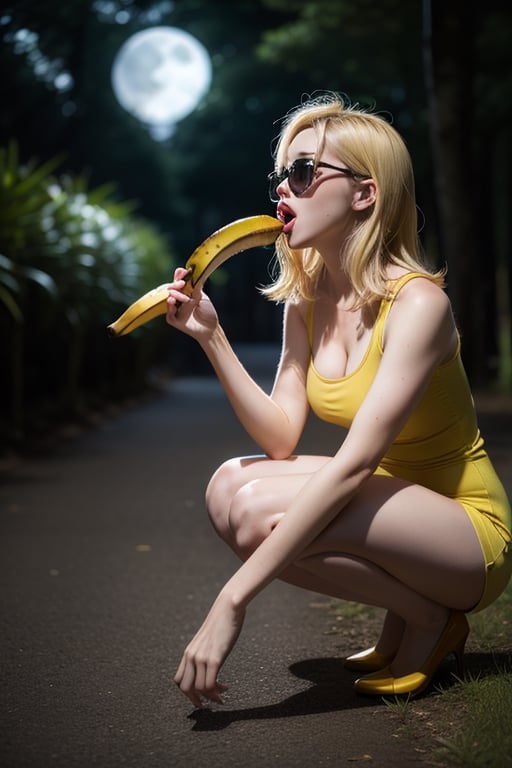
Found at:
[322, 216]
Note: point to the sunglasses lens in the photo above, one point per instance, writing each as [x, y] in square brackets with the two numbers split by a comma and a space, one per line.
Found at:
[300, 175]
[274, 180]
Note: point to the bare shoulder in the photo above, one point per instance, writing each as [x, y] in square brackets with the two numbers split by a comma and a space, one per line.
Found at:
[422, 310]
[422, 295]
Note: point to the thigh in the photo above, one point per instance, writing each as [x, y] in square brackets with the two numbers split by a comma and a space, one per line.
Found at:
[266, 485]
[270, 475]
[422, 538]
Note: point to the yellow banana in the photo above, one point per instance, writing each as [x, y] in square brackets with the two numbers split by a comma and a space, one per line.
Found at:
[218, 247]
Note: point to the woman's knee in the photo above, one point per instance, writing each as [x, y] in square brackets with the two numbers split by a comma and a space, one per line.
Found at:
[220, 491]
[250, 520]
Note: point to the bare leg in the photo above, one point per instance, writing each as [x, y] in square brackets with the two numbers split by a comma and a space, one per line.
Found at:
[231, 476]
[391, 634]
[238, 472]
[396, 545]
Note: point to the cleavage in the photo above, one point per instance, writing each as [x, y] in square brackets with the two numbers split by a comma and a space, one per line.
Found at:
[341, 339]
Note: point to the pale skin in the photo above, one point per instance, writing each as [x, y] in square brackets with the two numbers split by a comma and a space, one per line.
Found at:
[349, 533]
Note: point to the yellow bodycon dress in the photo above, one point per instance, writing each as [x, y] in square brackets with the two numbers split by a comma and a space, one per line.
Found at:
[440, 446]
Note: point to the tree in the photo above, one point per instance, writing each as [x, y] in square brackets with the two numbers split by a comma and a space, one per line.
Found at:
[266, 55]
[445, 102]
[468, 152]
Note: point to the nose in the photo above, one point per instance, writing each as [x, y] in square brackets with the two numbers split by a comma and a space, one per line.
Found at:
[283, 187]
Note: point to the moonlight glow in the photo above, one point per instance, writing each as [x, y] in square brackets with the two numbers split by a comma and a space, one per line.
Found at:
[159, 76]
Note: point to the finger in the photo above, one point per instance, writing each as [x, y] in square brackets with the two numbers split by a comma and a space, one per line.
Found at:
[211, 683]
[198, 682]
[186, 684]
[215, 694]
[178, 677]
[220, 688]
[176, 297]
[206, 690]
[199, 678]
[208, 684]
[178, 285]
[180, 273]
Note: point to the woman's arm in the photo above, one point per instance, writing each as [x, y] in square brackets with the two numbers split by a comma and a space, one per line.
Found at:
[275, 422]
[420, 335]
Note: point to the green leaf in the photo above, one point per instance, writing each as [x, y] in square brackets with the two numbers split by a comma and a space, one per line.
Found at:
[11, 305]
[42, 279]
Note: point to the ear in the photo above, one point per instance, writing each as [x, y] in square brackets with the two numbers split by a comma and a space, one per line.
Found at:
[365, 195]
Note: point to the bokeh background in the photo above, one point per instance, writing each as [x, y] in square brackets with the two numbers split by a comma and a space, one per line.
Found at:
[96, 209]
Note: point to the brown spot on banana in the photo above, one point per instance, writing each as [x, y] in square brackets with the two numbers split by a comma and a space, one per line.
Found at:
[231, 239]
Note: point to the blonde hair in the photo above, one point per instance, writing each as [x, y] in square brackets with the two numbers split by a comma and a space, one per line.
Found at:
[387, 234]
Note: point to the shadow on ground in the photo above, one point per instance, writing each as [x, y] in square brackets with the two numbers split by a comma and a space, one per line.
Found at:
[331, 691]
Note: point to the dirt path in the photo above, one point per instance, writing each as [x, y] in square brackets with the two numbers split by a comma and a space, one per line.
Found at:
[108, 565]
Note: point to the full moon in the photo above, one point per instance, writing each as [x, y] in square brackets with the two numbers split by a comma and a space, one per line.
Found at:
[159, 75]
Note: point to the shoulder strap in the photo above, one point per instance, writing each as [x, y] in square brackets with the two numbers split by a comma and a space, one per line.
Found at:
[396, 285]
[394, 288]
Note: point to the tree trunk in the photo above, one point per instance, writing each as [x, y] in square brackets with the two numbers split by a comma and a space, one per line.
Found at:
[502, 165]
[448, 44]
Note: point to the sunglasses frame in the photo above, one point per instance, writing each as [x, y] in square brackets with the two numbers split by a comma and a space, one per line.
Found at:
[275, 178]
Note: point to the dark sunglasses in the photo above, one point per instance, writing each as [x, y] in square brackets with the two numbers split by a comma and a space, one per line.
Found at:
[301, 174]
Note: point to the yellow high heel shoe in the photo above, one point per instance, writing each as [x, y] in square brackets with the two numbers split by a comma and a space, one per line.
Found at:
[367, 661]
[452, 640]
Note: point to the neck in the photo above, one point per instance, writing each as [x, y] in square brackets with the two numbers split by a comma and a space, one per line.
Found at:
[336, 285]
[336, 282]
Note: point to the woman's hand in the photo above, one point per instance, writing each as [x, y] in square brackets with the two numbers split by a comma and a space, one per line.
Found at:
[194, 315]
[207, 651]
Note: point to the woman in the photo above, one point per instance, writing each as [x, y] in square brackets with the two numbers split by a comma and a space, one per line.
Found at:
[408, 515]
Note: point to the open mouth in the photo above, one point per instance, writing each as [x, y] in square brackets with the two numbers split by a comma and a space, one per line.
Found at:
[286, 215]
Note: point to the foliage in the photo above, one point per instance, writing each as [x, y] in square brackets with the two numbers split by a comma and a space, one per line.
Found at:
[71, 259]
[484, 739]
[266, 55]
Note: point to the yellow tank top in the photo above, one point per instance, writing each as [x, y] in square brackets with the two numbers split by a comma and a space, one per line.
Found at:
[440, 446]
[442, 430]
